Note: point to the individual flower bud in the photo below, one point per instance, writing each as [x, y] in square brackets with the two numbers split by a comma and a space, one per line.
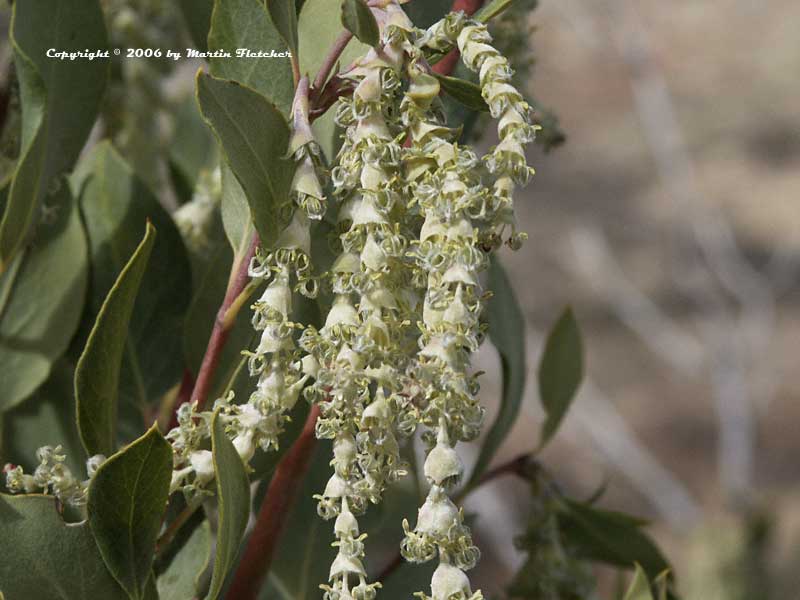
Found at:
[341, 313]
[346, 525]
[93, 463]
[443, 466]
[437, 515]
[451, 583]
[297, 233]
[203, 464]
[372, 256]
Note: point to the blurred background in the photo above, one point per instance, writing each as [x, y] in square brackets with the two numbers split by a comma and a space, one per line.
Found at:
[670, 222]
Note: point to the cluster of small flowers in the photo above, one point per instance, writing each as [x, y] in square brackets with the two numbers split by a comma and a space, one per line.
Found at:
[275, 362]
[53, 477]
[417, 215]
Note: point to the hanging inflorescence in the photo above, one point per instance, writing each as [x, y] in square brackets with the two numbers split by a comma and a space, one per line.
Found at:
[416, 215]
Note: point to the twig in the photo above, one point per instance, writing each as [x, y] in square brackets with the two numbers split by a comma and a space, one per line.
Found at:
[280, 495]
[330, 60]
[222, 326]
[166, 538]
[523, 466]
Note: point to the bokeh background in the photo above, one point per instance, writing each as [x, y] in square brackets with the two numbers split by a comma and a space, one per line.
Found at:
[670, 222]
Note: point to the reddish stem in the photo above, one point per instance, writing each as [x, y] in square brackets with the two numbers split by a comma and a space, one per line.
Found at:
[448, 64]
[222, 326]
[330, 60]
[280, 496]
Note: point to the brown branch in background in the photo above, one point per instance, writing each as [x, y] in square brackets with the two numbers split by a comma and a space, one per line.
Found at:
[279, 498]
[524, 466]
[448, 64]
[222, 326]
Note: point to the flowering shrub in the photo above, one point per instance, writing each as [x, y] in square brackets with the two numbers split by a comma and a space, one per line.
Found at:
[364, 223]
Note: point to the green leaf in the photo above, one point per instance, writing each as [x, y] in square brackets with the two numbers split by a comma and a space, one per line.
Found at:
[192, 148]
[235, 211]
[127, 498]
[116, 205]
[640, 587]
[197, 15]
[97, 373]
[247, 24]
[59, 98]
[233, 495]
[284, 16]
[318, 27]
[560, 372]
[46, 419]
[255, 137]
[425, 13]
[359, 20]
[46, 559]
[507, 332]
[36, 327]
[181, 578]
[463, 91]
[492, 9]
[610, 537]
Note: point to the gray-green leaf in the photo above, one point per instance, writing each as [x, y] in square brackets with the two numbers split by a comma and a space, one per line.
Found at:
[36, 327]
[610, 537]
[463, 91]
[116, 205]
[46, 419]
[127, 499]
[97, 373]
[640, 587]
[284, 17]
[560, 373]
[180, 580]
[507, 332]
[59, 98]
[197, 15]
[246, 24]
[233, 495]
[46, 559]
[492, 9]
[359, 20]
[254, 136]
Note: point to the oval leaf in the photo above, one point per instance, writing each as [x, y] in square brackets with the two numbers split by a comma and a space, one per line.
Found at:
[97, 373]
[127, 498]
[46, 559]
[59, 98]
[492, 9]
[233, 496]
[255, 136]
[359, 20]
[116, 206]
[284, 17]
[46, 419]
[463, 91]
[639, 588]
[197, 15]
[560, 373]
[609, 537]
[246, 24]
[180, 580]
[36, 327]
[507, 332]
